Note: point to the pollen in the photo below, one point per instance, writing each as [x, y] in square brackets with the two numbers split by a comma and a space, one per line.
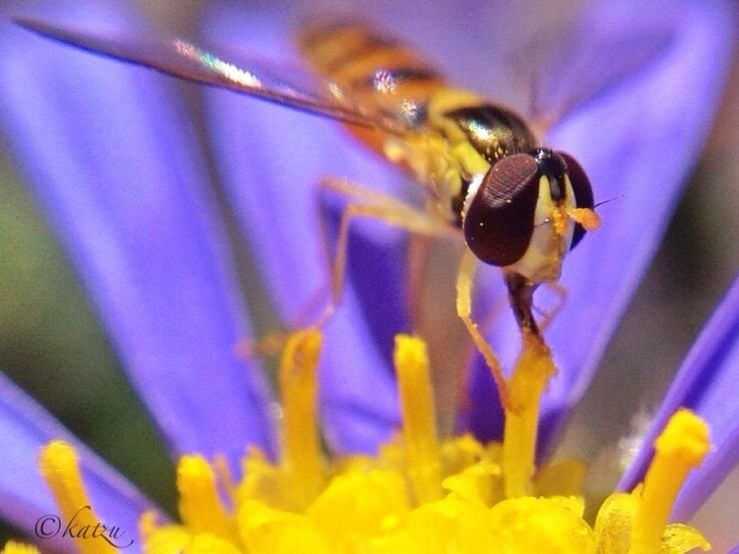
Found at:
[589, 219]
[418, 494]
[559, 221]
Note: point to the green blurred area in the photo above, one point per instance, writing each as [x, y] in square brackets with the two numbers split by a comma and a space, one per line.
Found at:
[52, 346]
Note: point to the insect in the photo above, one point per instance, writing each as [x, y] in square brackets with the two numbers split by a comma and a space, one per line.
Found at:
[518, 204]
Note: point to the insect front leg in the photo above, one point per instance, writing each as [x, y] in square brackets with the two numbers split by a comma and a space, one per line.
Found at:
[465, 282]
[548, 315]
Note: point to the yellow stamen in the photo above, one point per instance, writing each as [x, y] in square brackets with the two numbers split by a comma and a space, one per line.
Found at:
[680, 448]
[12, 547]
[589, 219]
[200, 506]
[418, 494]
[419, 425]
[60, 469]
[301, 454]
[531, 374]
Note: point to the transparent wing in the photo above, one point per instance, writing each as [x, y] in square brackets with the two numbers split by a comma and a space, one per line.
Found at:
[184, 60]
[569, 65]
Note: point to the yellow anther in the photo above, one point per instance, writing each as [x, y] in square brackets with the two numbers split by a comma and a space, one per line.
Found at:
[200, 506]
[530, 377]
[614, 523]
[60, 468]
[680, 448]
[167, 539]
[12, 547]
[541, 525]
[589, 219]
[301, 454]
[210, 544]
[480, 482]
[359, 503]
[419, 425]
[685, 439]
[264, 529]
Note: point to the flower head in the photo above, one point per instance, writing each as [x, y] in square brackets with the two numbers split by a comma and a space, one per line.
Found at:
[418, 494]
[130, 204]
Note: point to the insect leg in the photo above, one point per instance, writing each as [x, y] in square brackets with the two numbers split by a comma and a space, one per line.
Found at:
[521, 297]
[561, 292]
[418, 249]
[366, 203]
[387, 209]
[465, 282]
[418, 256]
[486, 323]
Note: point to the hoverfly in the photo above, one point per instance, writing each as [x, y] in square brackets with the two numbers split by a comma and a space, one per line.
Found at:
[518, 204]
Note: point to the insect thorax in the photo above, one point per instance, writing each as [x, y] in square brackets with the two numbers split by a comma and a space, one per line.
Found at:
[462, 137]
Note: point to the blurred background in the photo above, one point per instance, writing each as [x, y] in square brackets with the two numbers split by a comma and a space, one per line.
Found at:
[52, 346]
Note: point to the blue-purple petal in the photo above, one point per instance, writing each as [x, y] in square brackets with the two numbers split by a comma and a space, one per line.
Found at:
[707, 383]
[25, 427]
[271, 160]
[112, 160]
[637, 143]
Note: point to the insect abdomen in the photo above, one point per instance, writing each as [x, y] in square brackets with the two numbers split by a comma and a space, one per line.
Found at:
[375, 71]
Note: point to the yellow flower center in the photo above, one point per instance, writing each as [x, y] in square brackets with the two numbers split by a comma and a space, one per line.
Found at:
[419, 494]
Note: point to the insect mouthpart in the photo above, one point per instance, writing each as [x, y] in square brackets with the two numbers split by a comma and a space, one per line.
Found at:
[554, 168]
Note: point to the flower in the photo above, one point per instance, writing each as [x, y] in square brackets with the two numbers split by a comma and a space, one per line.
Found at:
[141, 227]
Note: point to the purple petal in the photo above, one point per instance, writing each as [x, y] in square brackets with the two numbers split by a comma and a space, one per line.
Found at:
[25, 427]
[271, 159]
[637, 143]
[707, 383]
[111, 158]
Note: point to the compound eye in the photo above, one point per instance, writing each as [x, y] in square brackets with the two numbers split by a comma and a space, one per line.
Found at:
[499, 220]
[583, 192]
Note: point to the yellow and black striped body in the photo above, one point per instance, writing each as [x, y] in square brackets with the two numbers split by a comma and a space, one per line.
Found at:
[455, 135]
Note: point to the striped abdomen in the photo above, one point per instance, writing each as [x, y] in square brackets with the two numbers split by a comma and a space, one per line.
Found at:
[376, 72]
